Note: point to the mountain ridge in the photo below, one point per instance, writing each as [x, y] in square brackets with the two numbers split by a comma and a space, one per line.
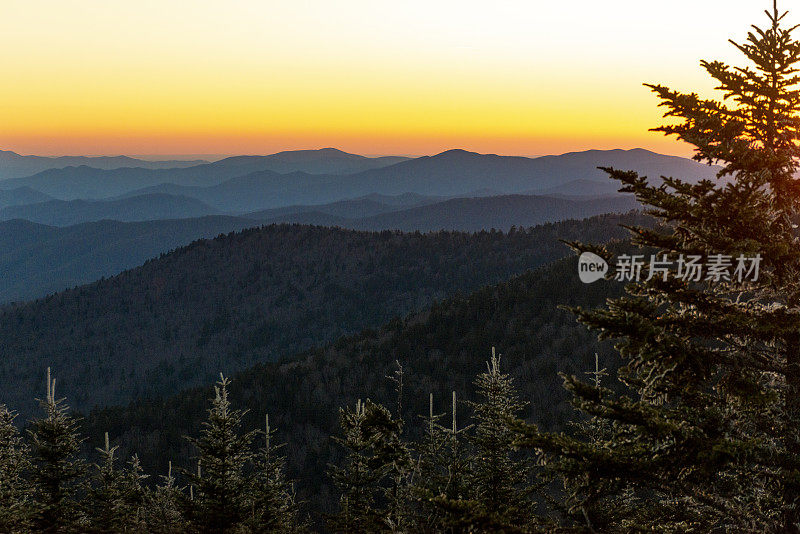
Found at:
[154, 206]
[250, 296]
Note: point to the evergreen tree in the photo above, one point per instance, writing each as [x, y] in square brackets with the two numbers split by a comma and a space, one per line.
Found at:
[358, 477]
[375, 481]
[116, 501]
[162, 510]
[274, 507]
[440, 471]
[706, 435]
[57, 467]
[393, 454]
[221, 502]
[499, 481]
[15, 491]
[392, 459]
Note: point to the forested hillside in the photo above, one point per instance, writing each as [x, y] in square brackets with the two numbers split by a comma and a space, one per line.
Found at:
[440, 349]
[37, 259]
[248, 297]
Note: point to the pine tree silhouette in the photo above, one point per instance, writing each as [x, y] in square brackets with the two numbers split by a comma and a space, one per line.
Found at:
[221, 486]
[57, 467]
[499, 482]
[274, 507]
[357, 479]
[116, 501]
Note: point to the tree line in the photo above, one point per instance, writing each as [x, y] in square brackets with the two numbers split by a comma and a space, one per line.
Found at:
[386, 482]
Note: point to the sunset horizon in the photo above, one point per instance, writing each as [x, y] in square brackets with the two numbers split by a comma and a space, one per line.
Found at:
[258, 78]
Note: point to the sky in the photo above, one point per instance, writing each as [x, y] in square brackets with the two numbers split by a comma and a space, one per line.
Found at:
[525, 77]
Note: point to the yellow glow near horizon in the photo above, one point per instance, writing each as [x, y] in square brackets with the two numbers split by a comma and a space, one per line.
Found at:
[374, 77]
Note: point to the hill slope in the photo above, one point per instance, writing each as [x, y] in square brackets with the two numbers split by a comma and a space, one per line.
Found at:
[37, 260]
[35, 263]
[139, 208]
[21, 196]
[258, 295]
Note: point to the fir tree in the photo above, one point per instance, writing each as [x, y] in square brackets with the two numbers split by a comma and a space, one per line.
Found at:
[15, 491]
[274, 507]
[375, 482]
[358, 478]
[499, 481]
[392, 452]
[706, 436]
[440, 470]
[57, 468]
[162, 509]
[117, 498]
[220, 488]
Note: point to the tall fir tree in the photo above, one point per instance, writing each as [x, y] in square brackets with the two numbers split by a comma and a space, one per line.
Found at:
[15, 490]
[375, 481]
[116, 500]
[394, 453]
[499, 480]
[274, 507]
[57, 467]
[358, 478]
[706, 436]
[439, 472]
[221, 487]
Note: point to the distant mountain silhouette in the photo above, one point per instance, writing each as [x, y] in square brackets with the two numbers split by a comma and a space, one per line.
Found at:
[458, 171]
[357, 208]
[254, 191]
[449, 174]
[13, 165]
[21, 196]
[468, 214]
[139, 208]
[322, 161]
[406, 199]
[89, 182]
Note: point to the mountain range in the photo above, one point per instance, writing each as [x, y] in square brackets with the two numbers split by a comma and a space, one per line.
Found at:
[139, 208]
[470, 214]
[247, 183]
[89, 182]
[13, 165]
[37, 260]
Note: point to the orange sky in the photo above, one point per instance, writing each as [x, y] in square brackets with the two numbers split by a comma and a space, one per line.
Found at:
[373, 77]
